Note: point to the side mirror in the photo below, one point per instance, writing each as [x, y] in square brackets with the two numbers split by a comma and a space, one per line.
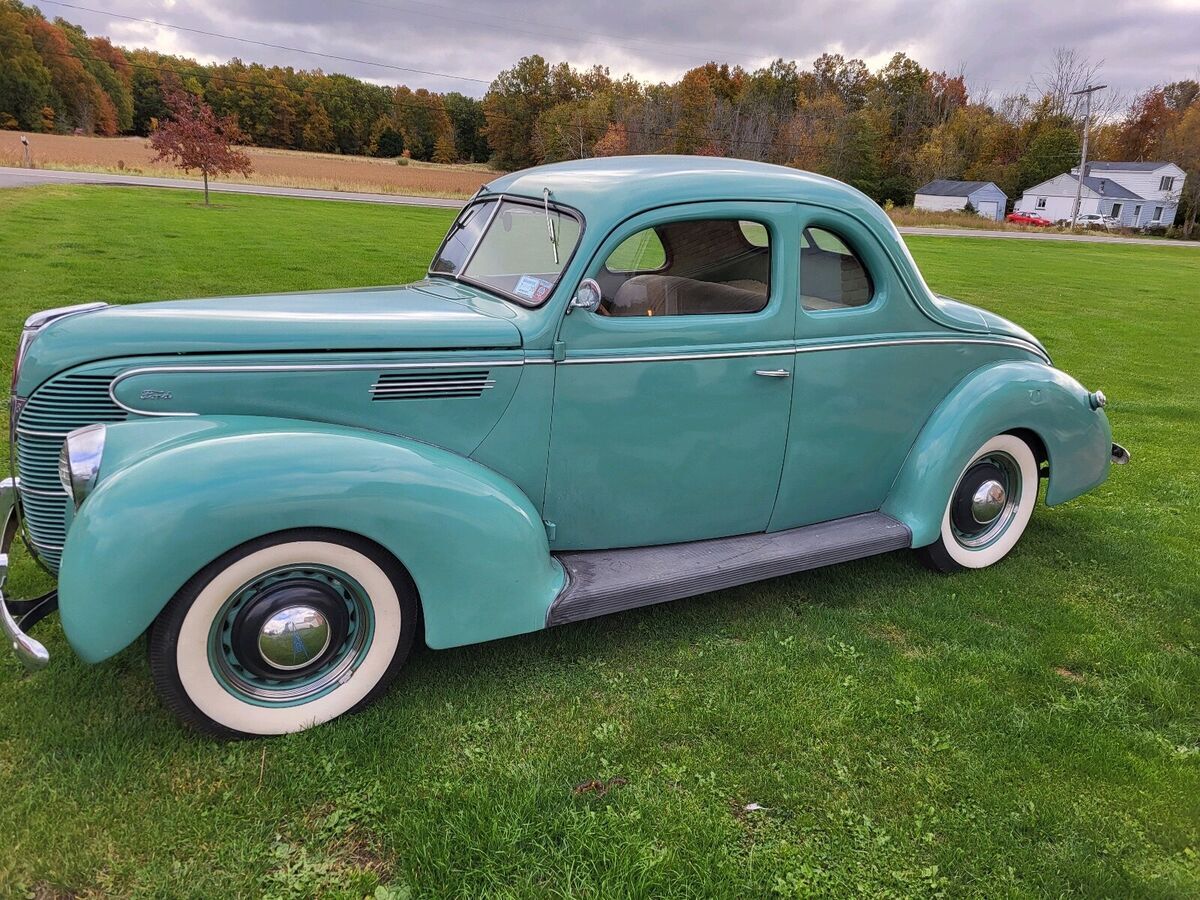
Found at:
[587, 296]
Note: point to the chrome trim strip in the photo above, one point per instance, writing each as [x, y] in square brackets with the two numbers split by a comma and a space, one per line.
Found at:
[41, 492]
[31, 432]
[29, 651]
[722, 354]
[416, 385]
[475, 390]
[434, 392]
[288, 367]
[811, 348]
[892, 342]
[53, 548]
[482, 235]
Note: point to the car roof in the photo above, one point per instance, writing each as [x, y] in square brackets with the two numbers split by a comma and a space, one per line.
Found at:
[614, 187]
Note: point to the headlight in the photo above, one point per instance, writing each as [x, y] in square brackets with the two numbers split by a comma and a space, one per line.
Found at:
[79, 462]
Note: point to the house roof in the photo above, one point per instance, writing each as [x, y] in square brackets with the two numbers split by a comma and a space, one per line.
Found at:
[1064, 186]
[945, 187]
[1106, 187]
[1124, 166]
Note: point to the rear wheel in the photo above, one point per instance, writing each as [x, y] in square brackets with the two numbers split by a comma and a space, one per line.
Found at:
[282, 633]
[988, 509]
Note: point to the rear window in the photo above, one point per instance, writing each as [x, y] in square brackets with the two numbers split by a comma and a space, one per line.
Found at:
[832, 277]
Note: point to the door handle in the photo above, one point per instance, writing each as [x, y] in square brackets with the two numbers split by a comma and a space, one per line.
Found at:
[773, 373]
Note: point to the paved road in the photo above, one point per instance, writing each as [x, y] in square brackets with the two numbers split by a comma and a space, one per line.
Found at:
[10, 177]
[1045, 236]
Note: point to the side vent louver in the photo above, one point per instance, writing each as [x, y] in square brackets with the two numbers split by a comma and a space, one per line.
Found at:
[430, 385]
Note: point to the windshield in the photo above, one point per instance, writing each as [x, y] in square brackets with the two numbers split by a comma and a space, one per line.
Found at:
[507, 246]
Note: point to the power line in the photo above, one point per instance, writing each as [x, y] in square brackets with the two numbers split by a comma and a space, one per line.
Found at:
[229, 37]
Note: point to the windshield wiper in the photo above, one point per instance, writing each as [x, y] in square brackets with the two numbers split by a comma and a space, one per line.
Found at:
[550, 223]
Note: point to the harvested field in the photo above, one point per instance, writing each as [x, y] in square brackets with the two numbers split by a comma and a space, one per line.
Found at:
[285, 168]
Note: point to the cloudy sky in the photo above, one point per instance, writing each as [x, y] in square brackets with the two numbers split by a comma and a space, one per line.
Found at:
[999, 44]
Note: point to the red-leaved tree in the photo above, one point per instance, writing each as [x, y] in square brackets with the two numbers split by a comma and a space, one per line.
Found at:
[197, 138]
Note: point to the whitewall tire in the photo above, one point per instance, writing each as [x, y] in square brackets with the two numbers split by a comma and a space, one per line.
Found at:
[283, 633]
[988, 509]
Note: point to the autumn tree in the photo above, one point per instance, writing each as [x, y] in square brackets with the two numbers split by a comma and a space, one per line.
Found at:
[24, 79]
[615, 141]
[77, 99]
[197, 138]
[1183, 147]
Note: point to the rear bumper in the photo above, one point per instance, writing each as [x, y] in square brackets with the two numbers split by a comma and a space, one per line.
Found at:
[1120, 456]
[29, 651]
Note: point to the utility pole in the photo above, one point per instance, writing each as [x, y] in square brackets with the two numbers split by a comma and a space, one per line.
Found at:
[1087, 124]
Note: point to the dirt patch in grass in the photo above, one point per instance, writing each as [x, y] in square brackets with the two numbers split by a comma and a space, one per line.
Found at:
[277, 168]
[1064, 672]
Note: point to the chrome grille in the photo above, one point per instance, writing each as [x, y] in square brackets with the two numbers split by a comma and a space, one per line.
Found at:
[429, 385]
[60, 406]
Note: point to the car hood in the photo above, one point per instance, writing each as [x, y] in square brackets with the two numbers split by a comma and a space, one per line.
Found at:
[427, 315]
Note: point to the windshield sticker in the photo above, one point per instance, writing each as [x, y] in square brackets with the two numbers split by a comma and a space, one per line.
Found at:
[532, 288]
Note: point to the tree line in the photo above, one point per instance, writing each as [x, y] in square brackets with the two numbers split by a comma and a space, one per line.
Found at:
[885, 132]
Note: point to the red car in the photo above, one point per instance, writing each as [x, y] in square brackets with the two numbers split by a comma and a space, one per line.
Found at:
[1024, 218]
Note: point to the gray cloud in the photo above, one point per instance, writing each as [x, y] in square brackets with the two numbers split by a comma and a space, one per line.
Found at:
[1000, 45]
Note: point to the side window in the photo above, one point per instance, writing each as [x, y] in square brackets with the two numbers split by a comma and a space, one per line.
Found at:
[831, 275]
[689, 268]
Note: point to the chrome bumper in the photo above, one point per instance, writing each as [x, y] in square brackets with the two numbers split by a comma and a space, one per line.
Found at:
[29, 651]
[1120, 456]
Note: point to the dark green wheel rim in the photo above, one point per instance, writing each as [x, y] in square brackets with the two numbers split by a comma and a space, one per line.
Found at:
[997, 469]
[251, 679]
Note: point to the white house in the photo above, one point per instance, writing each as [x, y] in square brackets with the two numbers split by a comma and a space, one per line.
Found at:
[985, 198]
[1137, 193]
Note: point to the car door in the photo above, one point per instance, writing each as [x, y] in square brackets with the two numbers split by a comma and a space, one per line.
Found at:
[672, 398]
[870, 369]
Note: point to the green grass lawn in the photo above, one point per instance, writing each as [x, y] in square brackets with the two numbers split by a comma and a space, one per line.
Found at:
[1033, 729]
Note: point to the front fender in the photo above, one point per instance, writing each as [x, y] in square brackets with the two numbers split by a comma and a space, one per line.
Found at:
[174, 494]
[999, 398]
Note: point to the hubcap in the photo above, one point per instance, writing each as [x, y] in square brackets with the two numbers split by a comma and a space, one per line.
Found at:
[293, 637]
[988, 501]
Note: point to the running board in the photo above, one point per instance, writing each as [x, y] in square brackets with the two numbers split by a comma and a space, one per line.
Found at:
[607, 581]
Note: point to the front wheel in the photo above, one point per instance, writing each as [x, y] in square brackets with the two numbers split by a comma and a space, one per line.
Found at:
[283, 633]
[988, 509]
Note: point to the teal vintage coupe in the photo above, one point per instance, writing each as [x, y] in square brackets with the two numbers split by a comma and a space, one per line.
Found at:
[623, 381]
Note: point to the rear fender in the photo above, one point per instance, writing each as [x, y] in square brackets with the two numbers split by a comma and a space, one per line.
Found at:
[1012, 396]
[174, 494]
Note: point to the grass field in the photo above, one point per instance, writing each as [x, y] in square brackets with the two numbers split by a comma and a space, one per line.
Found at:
[869, 729]
[280, 168]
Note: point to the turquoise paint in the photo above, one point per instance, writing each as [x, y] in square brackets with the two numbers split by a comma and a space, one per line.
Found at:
[264, 385]
[613, 453]
[669, 451]
[855, 415]
[175, 494]
[421, 316]
[520, 440]
[1002, 397]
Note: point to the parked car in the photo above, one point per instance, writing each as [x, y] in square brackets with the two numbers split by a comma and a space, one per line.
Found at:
[624, 381]
[1027, 218]
[1095, 220]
